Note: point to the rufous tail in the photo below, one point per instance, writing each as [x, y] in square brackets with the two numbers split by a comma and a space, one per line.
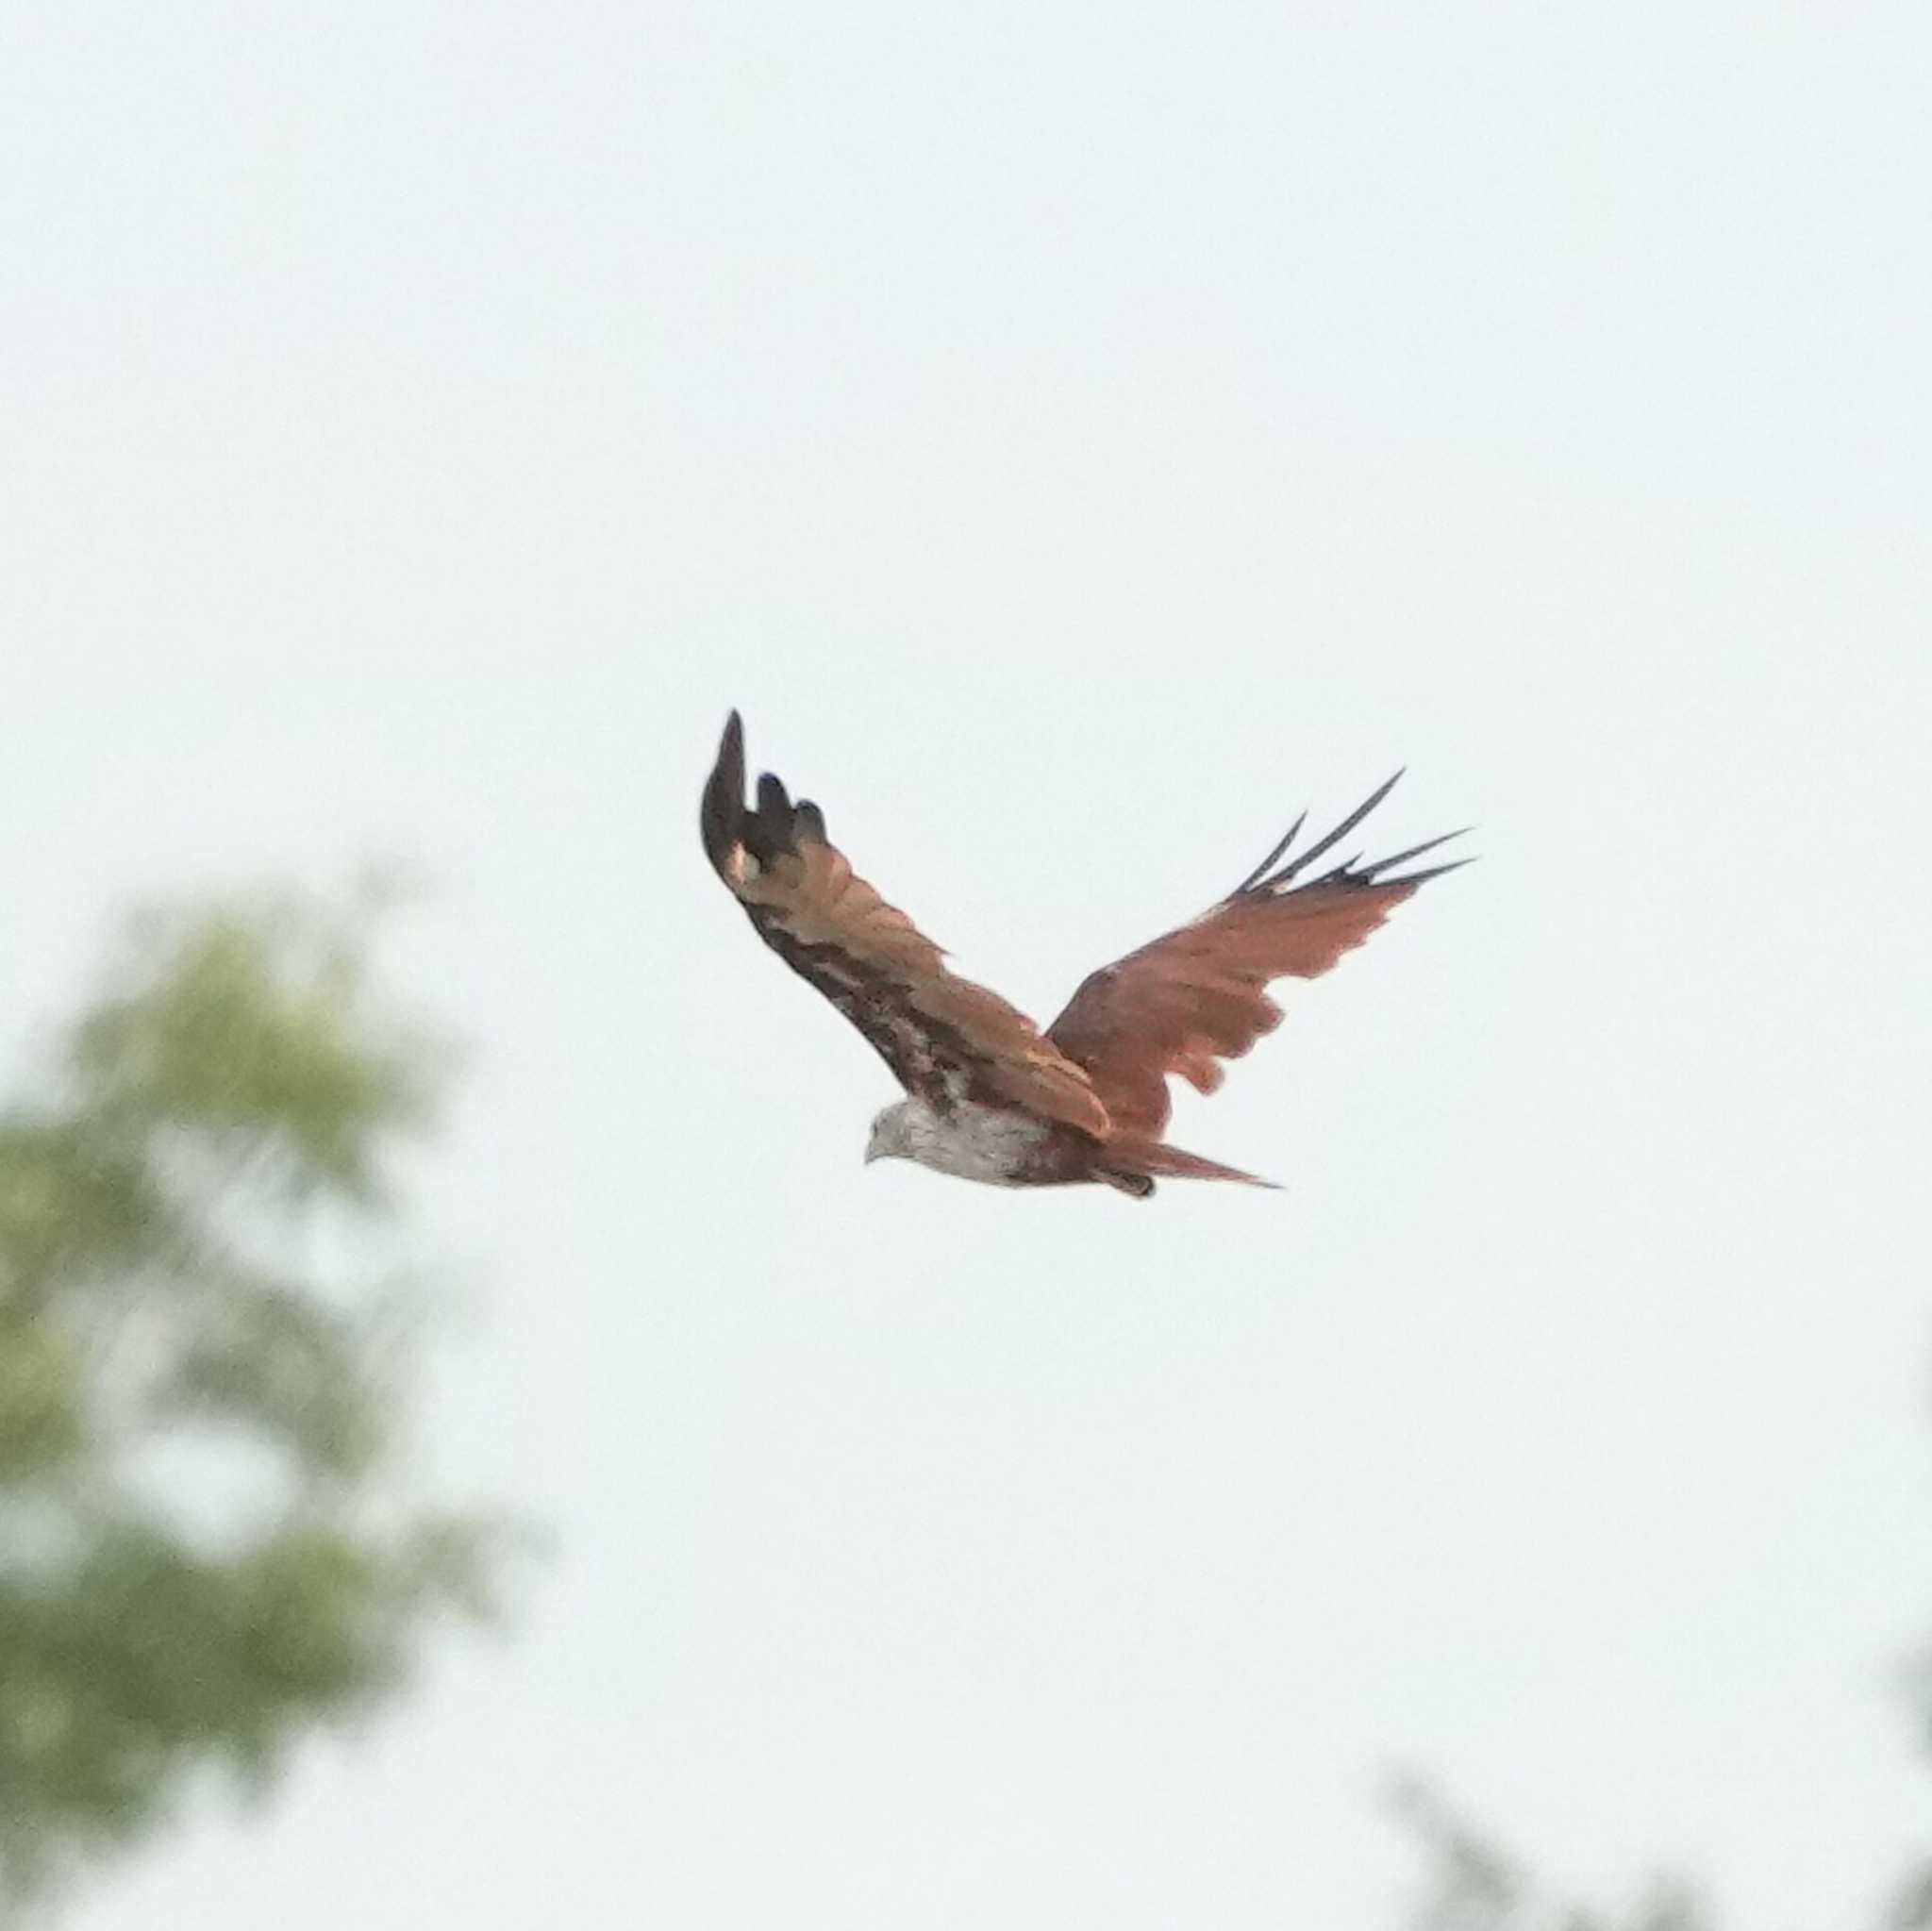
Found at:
[1155, 1157]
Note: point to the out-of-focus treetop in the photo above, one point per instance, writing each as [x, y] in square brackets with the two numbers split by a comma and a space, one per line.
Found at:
[206, 1545]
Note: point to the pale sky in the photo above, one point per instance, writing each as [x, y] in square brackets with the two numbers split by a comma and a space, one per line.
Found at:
[1077, 437]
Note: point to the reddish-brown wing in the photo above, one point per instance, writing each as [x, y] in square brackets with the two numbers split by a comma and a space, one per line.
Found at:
[1194, 997]
[947, 1039]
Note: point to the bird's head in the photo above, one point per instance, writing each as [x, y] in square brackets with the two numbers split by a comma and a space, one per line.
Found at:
[889, 1139]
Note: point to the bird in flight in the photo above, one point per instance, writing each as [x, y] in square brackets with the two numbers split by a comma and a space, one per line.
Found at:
[988, 1095]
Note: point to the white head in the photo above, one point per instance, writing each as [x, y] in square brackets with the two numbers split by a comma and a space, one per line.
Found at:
[891, 1137]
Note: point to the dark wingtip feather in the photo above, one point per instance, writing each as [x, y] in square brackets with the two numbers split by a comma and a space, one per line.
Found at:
[1286, 839]
[1428, 845]
[1278, 881]
[773, 825]
[1433, 872]
[721, 817]
[768, 829]
[1267, 879]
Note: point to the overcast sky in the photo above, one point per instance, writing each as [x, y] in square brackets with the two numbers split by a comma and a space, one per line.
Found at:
[1077, 437]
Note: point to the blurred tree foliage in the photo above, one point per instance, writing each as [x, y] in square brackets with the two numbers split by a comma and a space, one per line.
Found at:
[1472, 1885]
[205, 1546]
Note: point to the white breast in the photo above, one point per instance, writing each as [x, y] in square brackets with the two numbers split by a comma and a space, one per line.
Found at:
[974, 1142]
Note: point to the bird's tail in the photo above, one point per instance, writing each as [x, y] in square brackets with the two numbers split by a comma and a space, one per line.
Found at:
[1152, 1159]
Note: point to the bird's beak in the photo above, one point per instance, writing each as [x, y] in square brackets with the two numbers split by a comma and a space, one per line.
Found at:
[871, 1153]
